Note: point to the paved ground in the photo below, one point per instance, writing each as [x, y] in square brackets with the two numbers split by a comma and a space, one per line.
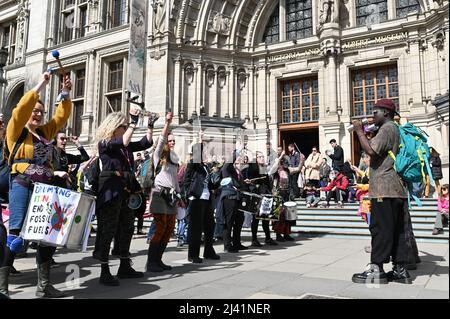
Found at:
[317, 266]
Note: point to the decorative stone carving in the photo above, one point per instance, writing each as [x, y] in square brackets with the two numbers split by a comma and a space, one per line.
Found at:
[221, 78]
[159, 15]
[23, 14]
[327, 11]
[189, 73]
[438, 40]
[157, 54]
[242, 79]
[220, 23]
[330, 47]
[210, 76]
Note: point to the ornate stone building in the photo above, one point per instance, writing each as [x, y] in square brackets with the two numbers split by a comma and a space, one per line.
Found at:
[284, 70]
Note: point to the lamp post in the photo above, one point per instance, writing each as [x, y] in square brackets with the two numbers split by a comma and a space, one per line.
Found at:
[3, 61]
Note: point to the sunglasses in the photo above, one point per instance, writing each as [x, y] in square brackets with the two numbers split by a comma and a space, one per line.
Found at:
[37, 111]
[171, 141]
[63, 138]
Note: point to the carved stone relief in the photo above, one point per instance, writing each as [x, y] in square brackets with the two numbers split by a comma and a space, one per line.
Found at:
[219, 23]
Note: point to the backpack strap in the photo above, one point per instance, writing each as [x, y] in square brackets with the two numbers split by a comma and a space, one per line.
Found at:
[19, 142]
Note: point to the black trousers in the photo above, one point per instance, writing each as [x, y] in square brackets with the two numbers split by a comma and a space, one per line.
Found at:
[139, 213]
[337, 194]
[265, 226]
[3, 236]
[112, 216]
[201, 220]
[234, 220]
[293, 183]
[387, 227]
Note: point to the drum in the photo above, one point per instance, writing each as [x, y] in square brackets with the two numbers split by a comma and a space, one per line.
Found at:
[249, 202]
[291, 210]
[134, 201]
[269, 208]
[58, 217]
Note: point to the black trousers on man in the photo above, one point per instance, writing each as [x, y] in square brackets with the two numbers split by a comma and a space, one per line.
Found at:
[293, 186]
[387, 227]
[233, 221]
[201, 220]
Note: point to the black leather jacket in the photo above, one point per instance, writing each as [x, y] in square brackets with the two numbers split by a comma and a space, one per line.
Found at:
[195, 178]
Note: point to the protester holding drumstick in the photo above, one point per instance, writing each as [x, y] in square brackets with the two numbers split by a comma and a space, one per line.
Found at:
[32, 163]
[116, 184]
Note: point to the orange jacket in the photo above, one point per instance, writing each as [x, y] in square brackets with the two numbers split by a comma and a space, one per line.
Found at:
[20, 116]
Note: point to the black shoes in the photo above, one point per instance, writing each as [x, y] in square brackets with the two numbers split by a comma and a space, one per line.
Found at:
[242, 247]
[126, 271]
[210, 253]
[400, 274]
[271, 242]
[256, 243]
[106, 278]
[288, 238]
[195, 260]
[372, 275]
[280, 238]
[231, 249]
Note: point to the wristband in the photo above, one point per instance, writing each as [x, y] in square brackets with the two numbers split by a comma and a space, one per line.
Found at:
[63, 95]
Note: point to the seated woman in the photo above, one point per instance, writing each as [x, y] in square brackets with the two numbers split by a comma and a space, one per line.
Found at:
[336, 189]
[442, 214]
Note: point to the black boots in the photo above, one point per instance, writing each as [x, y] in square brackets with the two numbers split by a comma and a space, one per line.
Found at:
[106, 278]
[399, 274]
[44, 288]
[373, 274]
[153, 259]
[126, 271]
[162, 248]
[4, 275]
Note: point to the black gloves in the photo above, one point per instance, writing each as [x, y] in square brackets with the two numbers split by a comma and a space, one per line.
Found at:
[152, 119]
[134, 119]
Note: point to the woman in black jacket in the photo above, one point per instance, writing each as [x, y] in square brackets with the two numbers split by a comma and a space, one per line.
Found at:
[198, 187]
[436, 170]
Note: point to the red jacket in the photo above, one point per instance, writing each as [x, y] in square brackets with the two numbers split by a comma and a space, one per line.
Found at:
[341, 182]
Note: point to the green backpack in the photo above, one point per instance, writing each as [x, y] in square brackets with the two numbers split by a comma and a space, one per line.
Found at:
[412, 162]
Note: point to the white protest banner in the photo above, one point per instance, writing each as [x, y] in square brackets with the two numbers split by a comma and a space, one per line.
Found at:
[50, 214]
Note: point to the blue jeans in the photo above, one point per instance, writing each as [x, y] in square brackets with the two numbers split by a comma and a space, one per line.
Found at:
[19, 198]
[151, 230]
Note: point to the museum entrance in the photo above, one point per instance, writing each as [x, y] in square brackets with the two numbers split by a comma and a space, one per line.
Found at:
[305, 136]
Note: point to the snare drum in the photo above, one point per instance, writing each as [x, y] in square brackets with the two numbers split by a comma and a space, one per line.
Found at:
[269, 208]
[249, 202]
[291, 210]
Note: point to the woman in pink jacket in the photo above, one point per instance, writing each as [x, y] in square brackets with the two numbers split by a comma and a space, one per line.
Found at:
[442, 214]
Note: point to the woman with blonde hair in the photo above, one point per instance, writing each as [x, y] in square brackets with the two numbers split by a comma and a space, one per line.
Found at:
[164, 197]
[116, 184]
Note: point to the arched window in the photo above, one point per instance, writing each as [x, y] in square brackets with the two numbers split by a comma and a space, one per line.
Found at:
[272, 32]
[406, 6]
[370, 12]
[298, 19]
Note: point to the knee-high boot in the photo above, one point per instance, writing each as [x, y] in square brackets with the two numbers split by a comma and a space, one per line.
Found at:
[44, 288]
[153, 258]
[4, 278]
[162, 248]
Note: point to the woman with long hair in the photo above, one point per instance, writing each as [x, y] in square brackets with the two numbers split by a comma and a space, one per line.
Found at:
[32, 163]
[164, 197]
[116, 183]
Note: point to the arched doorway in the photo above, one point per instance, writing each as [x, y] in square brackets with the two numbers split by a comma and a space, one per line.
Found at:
[14, 97]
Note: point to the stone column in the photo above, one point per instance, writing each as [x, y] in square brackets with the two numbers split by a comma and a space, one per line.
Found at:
[90, 101]
[176, 90]
[415, 85]
[282, 20]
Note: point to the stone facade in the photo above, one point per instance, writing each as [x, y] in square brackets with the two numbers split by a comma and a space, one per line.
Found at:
[207, 59]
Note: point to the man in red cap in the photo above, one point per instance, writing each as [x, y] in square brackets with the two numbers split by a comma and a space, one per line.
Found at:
[388, 199]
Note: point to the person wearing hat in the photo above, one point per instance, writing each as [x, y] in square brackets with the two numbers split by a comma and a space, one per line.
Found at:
[337, 188]
[389, 206]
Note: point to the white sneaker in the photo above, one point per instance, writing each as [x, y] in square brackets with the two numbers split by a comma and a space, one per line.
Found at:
[308, 205]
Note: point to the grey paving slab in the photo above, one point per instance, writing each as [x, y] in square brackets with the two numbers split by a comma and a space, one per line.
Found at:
[321, 266]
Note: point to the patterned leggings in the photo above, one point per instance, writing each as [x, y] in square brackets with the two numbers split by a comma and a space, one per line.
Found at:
[165, 225]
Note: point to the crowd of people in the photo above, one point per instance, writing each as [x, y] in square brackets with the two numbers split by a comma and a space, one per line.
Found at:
[203, 194]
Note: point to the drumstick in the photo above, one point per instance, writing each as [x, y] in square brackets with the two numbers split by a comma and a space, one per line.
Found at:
[258, 178]
[55, 54]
